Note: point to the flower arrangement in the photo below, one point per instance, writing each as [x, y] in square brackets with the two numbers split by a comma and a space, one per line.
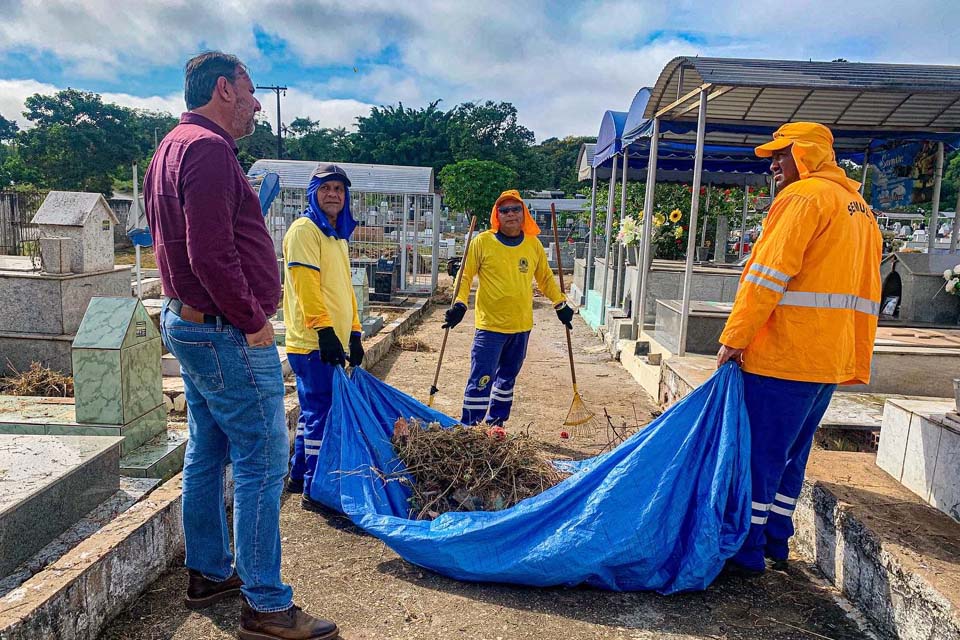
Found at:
[630, 231]
[952, 276]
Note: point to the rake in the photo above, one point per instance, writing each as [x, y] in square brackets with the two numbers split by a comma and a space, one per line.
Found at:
[580, 417]
[453, 301]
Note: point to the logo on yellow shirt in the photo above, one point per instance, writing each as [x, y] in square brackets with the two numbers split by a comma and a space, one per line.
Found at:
[524, 265]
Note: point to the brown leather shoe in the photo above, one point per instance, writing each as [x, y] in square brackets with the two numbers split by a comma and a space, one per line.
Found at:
[202, 593]
[292, 624]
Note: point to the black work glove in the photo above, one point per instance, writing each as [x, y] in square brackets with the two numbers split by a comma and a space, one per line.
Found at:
[454, 315]
[331, 351]
[565, 313]
[356, 349]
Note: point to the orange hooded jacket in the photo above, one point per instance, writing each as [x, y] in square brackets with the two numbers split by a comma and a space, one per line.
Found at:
[809, 296]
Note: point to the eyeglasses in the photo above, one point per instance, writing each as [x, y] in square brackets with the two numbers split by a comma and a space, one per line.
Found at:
[511, 209]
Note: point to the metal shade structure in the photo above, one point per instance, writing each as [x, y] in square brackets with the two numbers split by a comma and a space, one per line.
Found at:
[627, 145]
[863, 104]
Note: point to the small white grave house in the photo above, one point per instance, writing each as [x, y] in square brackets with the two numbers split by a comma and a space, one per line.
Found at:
[87, 220]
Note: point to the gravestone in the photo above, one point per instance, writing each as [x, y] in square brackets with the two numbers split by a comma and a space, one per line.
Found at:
[361, 290]
[116, 363]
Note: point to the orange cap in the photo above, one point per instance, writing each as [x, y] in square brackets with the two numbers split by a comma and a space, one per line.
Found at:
[811, 132]
[530, 227]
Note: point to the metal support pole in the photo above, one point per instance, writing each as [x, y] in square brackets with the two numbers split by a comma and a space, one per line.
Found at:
[955, 232]
[591, 237]
[607, 236]
[706, 216]
[866, 166]
[417, 215]
[694, 211]
[935, 214]
[403, 244]
[621, 250]
[743, 220]
[435, 248]
[644, 258]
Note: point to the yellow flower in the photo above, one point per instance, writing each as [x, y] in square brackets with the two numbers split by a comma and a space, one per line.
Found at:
[658, 219]
[675, 215]
[678, 232]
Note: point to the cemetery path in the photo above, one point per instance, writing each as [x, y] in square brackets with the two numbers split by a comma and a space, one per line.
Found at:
[354, 579]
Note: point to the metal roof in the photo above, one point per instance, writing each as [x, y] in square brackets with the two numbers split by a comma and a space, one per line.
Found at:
[865, 100]
[562, 204]
[585, 160]
[368, 178]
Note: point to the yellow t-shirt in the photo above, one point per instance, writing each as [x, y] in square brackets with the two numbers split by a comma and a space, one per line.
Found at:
[317, 289]
[505, 293]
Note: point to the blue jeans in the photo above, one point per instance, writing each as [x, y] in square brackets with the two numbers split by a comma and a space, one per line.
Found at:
[315, 392]
[784, 415]
[235, 415]
[495, 362]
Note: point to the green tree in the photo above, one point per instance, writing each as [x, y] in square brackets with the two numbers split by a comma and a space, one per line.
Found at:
[492, 131]
[473, 186]
[558, 159]
[77, 141]
[262, 143]
[310, 141]
[405, 136]
[8, 129]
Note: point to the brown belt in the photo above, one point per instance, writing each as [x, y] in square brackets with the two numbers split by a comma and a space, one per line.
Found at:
[188, 313]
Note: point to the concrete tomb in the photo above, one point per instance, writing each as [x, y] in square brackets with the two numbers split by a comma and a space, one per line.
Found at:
[46, 484]
[42, 309]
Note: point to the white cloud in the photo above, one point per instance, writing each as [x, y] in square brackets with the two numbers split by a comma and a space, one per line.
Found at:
[14, 92]
[562, 64]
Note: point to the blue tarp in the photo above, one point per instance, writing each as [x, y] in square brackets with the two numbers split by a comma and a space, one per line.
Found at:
[662, 511]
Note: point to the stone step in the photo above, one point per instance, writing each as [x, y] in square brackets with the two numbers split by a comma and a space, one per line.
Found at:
[161, 457]
[47, 483]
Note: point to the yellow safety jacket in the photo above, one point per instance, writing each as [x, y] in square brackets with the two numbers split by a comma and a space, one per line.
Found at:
[505, 294]
[809, 296]
[317, 289]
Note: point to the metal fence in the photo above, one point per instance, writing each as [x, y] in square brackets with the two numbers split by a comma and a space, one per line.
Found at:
[385, 220]
[18, 237]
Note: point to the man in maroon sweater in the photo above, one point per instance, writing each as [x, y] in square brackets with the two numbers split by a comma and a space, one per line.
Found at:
[220, 277]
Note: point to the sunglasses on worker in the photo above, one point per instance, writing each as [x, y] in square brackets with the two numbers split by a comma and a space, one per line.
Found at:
[516, 208]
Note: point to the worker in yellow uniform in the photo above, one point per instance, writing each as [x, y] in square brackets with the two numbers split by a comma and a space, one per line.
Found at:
[507, 258]
[803, 321]
[320, 313]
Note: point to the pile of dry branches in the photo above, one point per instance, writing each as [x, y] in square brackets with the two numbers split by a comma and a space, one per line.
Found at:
[469, 468]
[37, 381]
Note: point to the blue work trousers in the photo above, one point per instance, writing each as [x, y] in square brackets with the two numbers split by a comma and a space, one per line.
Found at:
[235, 414]
[315, 392]
[495, 362]
[784, 415]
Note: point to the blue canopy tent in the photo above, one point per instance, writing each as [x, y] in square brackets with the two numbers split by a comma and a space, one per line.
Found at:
[621, 137]
[863, 104]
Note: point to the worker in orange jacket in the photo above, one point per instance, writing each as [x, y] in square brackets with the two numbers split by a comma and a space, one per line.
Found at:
[803, 321]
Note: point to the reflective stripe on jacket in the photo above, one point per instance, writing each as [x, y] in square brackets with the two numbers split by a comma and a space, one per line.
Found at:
[809, 296]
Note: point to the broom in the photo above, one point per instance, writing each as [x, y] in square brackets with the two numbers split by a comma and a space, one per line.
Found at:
[453, 301]
[580, 418]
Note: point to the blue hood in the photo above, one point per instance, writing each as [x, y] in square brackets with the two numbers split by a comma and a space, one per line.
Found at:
[345, 222]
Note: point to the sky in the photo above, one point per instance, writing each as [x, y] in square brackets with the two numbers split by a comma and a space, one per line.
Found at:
[562, 63]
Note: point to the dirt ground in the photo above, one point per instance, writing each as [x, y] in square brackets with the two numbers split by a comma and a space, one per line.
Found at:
[341, 573]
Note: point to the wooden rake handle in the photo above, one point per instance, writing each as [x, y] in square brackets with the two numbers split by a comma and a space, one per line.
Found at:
[556, 247]
[456, 289]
